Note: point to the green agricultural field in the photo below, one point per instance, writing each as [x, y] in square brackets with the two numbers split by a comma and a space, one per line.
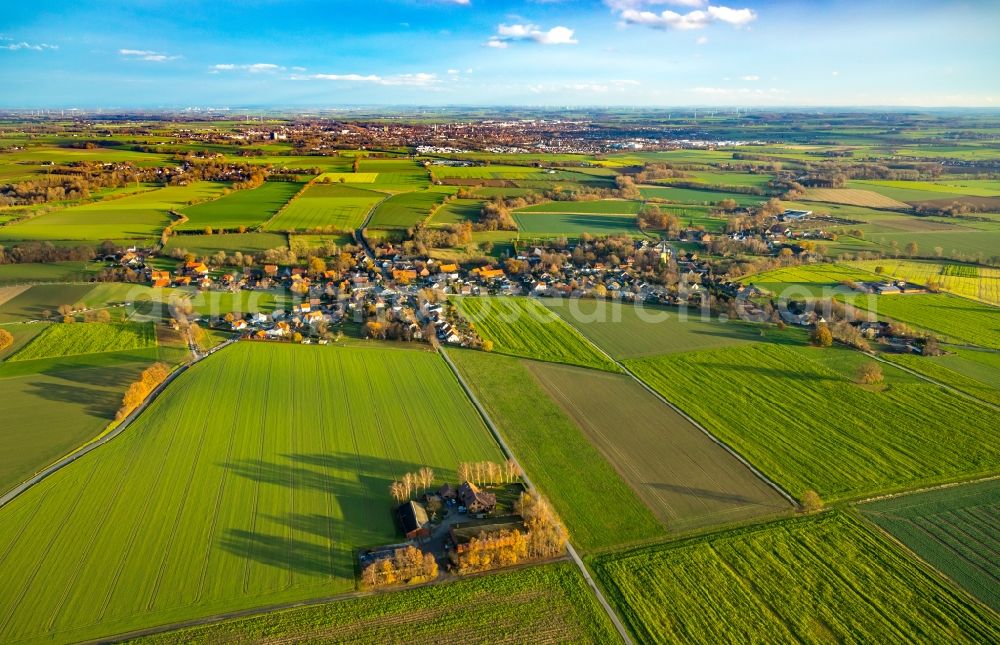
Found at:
[202, 245]
[347, 177]
[323, 206]
[810, 280]
[247, 208]
[957, 319]
[34, 302]
[219, 499]
[87, 338]
[965, 370]
[574, 224]
[51, 406]
[745, 179]
[396, 175]
[682, 475]
[819, 579]
[954, 529]
[47, 272]
[852, 197]
[149, 303]
[139, 216]
[489, 172]
[906, 191]
[23, 334]
[457, 211]
[969, 280]
[523, 327]
[406, 209]
[542, 604]
[598, 207]
[783, 408]
[625, 330]
[598, 508]
[692, 196]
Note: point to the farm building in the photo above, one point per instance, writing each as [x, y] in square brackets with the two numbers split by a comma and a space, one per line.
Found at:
[462, 533]
[475, 500]
[413, 520]
[447, 492]
[792, 215]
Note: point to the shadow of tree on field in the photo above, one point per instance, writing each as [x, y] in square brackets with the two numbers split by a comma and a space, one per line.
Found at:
[95, 402]
[288, 554]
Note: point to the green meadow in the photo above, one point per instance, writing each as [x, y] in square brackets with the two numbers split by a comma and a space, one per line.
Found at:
[249, 208]
[215, 501]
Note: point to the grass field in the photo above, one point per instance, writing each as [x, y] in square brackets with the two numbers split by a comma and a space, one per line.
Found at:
[87, 338]
[22, 334]
[47, 272]
[852, 197]
[906, 191]
[546, 604]
[30, 304]
[956, 319]
[324, 206]
[598, 508]
[966, 370]
[685, 478]
[817, 579]
[955, 529]
[347, 177]
[149, 303]
[202, 245]
[217, 500]
[810, 281]
[51, 406]
[628, 331]
[523, 327]
[396, 175]
[574, 224]
[693, 196]
[599, 207]
[796, 414]
[140, 216]
[968, 280]
[457, 211]
[248, 208]
[406, 209]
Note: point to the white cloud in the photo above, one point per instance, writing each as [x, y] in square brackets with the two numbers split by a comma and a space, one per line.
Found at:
[253, 68]
[750, 77]
[143, 54]
[702, 40]
[636, 12]
[38, 47]
[508, 33]
[735, 17]
[413, 80]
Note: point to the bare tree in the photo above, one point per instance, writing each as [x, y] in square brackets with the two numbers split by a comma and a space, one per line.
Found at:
[464, 472]
[426, 477]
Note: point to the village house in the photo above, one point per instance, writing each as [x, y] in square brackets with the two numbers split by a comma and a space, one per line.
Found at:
[476, 501]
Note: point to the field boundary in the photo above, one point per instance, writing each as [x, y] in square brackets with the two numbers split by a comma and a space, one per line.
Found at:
[951, 389]
[616, 621]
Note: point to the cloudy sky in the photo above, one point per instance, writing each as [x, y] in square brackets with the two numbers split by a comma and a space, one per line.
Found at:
[180, 53]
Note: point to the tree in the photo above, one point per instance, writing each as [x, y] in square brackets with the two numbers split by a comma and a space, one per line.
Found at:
[811, 501]
[870, 373]
[487, 345]
[426, 476]
[6, 339]
[296, 337]
[464, 472]
[911, 249]
[821, 336]
[68, 319]
[397, 492]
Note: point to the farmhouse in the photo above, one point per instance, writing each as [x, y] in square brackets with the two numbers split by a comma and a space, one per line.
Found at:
[413, 520]
[475, 500]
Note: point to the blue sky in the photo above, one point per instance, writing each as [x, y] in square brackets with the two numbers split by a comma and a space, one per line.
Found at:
[152, 53]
